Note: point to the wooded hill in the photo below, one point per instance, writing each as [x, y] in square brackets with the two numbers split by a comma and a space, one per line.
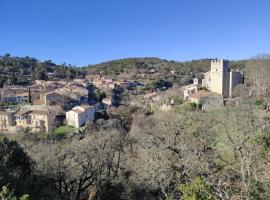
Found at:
[24, 70]
[125, 65]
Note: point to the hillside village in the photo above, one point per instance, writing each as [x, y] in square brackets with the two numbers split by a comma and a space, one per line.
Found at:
[135, 100]
[157, 130]
[46, 105]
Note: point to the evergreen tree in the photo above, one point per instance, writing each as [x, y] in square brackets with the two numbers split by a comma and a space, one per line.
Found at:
[91, 92]
[117, 95]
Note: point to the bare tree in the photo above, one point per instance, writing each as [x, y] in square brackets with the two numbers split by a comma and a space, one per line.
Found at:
[258, 75]
[242, 159]
[80, 168]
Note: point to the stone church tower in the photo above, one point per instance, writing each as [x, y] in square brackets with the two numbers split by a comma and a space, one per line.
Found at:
[220, 79]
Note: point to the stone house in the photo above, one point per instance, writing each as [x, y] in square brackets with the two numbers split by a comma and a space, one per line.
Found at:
[208, 100]
[6, 120]
[36, 120]
[189, 90]
[15, 94]
[52, 99]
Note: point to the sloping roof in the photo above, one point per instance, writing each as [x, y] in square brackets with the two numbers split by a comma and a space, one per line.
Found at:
[39, 112]
[23, 112]
[188, 86]
[24, 94]
[200, 94]
[77, 110]
[52, 92]
[6, 113]
[85, 106]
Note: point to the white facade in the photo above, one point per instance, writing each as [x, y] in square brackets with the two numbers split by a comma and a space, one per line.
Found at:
[79, 115]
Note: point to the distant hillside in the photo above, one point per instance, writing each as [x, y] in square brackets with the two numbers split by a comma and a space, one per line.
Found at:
[140, 64]
[23, 70]
[135, 66]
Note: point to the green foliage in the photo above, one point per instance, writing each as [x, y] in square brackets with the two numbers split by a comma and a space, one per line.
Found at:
[259, 190]
[148, 110]
[258, 101]
[15, 165]
[138, 64]
[6, 194]
[16, 171]
[176, 100]
[187, 107]
[117, 95]
[198, 189]
[63, 130]
[91, 92]
[124, 115]
[24, 70]
[158, 84]
[2, 104]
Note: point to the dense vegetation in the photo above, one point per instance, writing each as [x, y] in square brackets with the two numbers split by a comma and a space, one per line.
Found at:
[136, 65]
[17, 70]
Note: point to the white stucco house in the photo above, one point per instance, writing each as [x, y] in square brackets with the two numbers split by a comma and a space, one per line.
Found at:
[79, 115]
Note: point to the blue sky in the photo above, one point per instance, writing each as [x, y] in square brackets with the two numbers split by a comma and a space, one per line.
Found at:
[82, 32]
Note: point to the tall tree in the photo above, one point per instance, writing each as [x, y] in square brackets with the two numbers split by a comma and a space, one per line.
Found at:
[117, 93]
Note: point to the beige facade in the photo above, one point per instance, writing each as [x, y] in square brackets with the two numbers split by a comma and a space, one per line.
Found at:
[6, 120]
[79, 115]
[36, 121]
[52, 99]
[221, 79]
[15, 94]
[189, 90]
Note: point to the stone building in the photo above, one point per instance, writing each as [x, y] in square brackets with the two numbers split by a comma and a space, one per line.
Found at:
[6, 120]
[35, 120]
[188, 90]
[221, 79]
[52, 99]
[208, 100]
[79, 115]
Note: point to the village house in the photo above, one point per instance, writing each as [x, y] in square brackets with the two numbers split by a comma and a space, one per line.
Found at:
[110, 83]
[46, 86]
[189, 90]
[14, 94]
[52, 99]
[35, 120]
[208, 100]
[6, 120]
[79, 115]
[81, 81]
[73, 91]
[103, 83]
[46, 98]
